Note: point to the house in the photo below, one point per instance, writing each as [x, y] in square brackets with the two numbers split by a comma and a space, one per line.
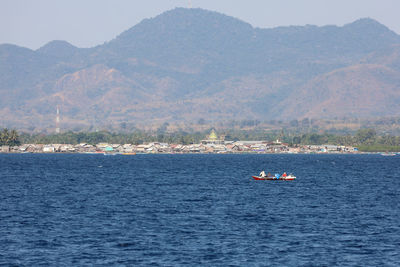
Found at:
[127, 148]
[49, 149]
[236, 148]
[108, 149]
[102, 146]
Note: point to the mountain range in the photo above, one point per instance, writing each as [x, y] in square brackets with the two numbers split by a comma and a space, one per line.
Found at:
[190, 64]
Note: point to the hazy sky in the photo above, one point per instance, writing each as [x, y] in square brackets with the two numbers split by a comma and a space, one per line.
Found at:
[86, 23]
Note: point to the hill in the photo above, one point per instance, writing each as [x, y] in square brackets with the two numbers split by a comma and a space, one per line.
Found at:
[188, 64]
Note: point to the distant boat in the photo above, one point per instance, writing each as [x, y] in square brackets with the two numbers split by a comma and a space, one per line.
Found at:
[388, 154]
[110, 153]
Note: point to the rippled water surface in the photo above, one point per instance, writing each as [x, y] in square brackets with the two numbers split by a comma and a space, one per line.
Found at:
[169, 210]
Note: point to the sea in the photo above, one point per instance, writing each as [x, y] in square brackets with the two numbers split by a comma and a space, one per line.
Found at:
[199, 210]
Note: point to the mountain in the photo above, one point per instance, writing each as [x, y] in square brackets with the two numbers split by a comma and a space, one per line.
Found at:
[59, 49]
[187, 64]
[363, 90]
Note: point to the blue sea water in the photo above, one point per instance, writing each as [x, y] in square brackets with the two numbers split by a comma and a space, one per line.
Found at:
[199, 210]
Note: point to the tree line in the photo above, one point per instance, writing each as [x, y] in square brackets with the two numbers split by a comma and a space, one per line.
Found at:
[364, 139]
[9, 137]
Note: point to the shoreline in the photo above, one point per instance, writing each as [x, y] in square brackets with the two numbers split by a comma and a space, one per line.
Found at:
[197, 153]
[239, 147]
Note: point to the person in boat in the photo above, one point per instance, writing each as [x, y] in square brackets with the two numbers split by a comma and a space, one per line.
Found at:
[284, 174]
[262, 174]
[269, 175]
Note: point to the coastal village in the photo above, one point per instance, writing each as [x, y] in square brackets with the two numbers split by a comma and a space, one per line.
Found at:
[212, 144]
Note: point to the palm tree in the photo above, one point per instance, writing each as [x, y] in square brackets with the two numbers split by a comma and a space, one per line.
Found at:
[4, 135]
[9, 138]
[14, 138]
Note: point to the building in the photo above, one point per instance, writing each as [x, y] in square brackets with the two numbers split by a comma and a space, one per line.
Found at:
[212, 139]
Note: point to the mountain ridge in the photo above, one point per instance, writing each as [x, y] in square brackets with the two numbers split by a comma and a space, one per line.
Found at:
[187, 64]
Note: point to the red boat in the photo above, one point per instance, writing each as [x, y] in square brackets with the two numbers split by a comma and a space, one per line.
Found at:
[290, 177]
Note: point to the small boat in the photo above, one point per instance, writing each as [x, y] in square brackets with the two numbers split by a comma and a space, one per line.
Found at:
[109, 154]
[388, 154]
[290, 177]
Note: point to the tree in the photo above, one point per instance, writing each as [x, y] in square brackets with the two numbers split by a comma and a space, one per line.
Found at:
[4, 136]
[14, 138]
[305, 122]
[294, 123]
[9, 138]
[201, 121]
[366, 136]
[296, 140]
[122, 125]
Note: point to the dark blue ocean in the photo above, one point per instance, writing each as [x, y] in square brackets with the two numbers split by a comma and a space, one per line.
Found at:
[199, 210]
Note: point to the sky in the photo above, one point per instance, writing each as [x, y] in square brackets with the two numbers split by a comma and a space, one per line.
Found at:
[87, 23]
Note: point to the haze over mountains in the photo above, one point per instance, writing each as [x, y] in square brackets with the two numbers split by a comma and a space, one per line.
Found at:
[188, 64]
